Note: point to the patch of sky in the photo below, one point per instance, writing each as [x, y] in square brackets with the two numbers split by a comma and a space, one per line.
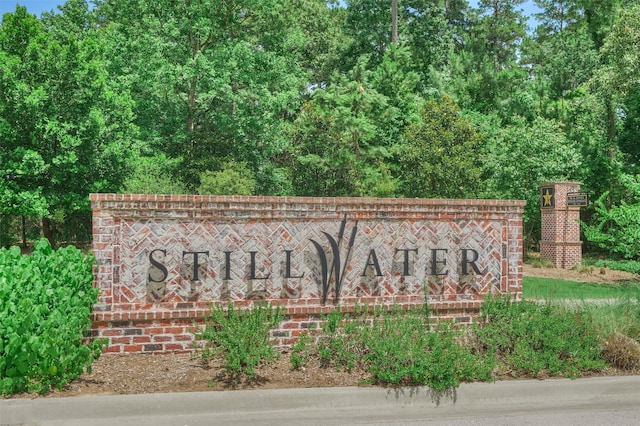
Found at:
[35, 7]
[529, 9]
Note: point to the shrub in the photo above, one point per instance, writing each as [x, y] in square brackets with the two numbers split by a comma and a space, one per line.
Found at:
[339, 344]
[622, 351]
[241, 336]
[407, 350]
[45, 303]
[301, 351]
[534, 339]
[154, 175]
[402, 348]
[234, 179]
[617, 228]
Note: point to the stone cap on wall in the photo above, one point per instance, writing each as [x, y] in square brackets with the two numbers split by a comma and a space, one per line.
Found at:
[213, 206]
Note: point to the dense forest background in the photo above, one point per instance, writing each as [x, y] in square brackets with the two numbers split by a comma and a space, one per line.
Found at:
[320, 98]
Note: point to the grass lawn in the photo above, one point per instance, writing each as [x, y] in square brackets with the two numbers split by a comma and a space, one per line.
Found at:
[553, 289]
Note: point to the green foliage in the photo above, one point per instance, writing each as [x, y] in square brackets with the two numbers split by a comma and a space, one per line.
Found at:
[210, 79]
[340, 345]
[395, 79]
[66, 125]
[532, 338]
[487, 76]
[323, 28]
[622, 51]
[301, 351]
[518, 157]
[632, 266]
[154, 175]
[621, 316]
[440, 155]
[554, 289]
[564, 52]
[401, 348]
[337, 147]
[630, 132]
[422, 28]
[241, 336]
[501, 26]
[585, 120]
[405, 349]
[6, 224]
[234, 179]
[313, 98]
[45, 305]
[617, 228]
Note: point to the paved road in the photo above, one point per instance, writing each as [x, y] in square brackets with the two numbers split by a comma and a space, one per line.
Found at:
[595, 401]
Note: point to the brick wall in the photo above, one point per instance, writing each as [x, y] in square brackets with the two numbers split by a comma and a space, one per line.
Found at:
[560, 233]
[162, 260]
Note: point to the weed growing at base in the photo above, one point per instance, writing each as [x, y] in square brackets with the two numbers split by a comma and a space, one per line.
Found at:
[406, 348]
[520, 339]
[300, 352]
[401, 348]
[242, 336]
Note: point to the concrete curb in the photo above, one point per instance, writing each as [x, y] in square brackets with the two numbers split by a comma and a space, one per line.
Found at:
[257, 404]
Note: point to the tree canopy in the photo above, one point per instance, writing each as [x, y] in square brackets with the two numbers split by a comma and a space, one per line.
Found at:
[315, 97]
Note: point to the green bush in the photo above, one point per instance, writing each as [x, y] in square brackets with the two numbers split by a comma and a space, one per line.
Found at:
[632, 266]
[154, 175]
[241, 336]
[532, 338]
[617, 228]
[340, 345]
[403, 348]
[301, 351]
[234, 179]
[45, 305]
[406, 350]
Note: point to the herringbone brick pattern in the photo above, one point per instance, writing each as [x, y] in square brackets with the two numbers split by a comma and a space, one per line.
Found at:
[375, 264]
[162, 260]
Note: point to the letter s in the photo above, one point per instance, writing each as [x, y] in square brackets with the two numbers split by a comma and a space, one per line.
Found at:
[158, 265]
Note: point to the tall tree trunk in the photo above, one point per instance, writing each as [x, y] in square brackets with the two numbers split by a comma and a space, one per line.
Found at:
[611, 128]
[24, 232]
[394, 21]
[47, 231]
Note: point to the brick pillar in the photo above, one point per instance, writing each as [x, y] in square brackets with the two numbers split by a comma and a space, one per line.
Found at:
[560, 236]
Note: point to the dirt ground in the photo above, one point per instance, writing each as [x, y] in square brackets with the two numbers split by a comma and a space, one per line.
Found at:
[143, 373]
[138, 373]
[592, 274]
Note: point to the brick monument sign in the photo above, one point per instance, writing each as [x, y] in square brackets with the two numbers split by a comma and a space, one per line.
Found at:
[560, 204]
[162, 260]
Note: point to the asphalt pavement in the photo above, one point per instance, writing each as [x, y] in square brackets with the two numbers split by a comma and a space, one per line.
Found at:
[590, 401]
